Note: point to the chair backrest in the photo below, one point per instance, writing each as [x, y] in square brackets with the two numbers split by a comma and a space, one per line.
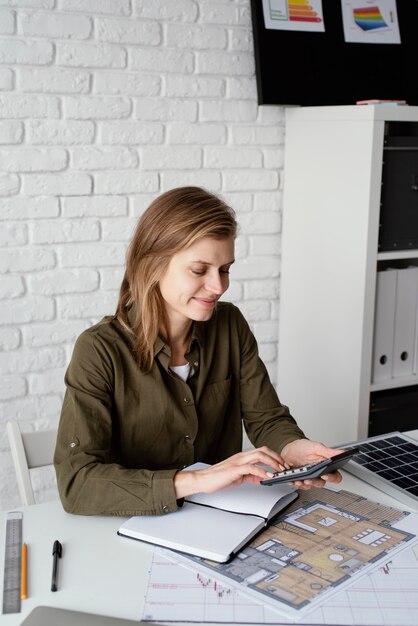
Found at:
[29, 450]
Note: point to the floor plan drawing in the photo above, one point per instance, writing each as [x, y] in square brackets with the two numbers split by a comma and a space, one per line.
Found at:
[323, 541]
[387, 595]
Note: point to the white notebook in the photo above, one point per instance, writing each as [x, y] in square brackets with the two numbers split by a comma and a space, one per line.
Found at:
[213, 526]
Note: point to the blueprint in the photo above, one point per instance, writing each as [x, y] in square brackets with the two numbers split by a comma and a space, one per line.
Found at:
[323, 544]
[388, 596]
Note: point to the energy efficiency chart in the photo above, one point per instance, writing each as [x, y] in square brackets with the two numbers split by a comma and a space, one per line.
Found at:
[302, 11]
[293, 15]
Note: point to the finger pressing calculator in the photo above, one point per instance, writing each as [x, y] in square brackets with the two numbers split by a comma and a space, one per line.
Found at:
[312, 470]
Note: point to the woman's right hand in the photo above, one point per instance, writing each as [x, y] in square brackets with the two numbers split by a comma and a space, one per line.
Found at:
[240, 468]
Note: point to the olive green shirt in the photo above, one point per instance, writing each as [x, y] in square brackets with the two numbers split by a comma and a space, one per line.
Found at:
[123, 434]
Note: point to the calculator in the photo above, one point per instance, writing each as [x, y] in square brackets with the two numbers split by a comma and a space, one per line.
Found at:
[312, 470]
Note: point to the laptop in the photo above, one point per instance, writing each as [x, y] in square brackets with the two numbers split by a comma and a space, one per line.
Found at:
[53, 616]
[390, 463]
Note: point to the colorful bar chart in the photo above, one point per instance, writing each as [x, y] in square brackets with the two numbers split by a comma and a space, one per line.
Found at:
[296, 15]
[302, 11]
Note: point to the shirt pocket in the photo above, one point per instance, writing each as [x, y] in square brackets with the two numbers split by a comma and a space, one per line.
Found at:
[214, 405]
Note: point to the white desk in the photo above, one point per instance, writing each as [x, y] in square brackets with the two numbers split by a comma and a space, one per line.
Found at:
[99, 572]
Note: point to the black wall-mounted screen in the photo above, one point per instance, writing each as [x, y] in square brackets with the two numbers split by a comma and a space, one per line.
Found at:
[320, 68]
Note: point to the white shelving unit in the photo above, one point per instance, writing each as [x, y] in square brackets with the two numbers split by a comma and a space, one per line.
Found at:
[331, 206]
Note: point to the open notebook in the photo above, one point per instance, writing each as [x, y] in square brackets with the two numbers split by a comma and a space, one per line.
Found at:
[213, 525]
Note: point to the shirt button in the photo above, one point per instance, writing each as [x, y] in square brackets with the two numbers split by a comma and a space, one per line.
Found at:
[186, 400]
[165, 508]
[187, 437]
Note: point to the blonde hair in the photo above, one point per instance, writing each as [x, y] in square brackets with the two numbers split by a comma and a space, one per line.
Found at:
[172, 222]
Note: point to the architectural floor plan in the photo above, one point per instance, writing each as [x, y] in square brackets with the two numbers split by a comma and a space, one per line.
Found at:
[325, 540]
[385, 596]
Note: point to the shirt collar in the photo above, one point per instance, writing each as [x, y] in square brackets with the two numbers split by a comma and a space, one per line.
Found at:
[197, 334]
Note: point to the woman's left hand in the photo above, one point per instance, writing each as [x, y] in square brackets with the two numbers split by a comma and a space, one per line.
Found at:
[305, 451]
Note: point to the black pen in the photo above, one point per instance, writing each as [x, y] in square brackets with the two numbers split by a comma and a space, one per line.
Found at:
[56, 554]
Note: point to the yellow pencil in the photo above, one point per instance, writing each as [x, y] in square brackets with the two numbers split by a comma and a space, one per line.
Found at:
[24, 577]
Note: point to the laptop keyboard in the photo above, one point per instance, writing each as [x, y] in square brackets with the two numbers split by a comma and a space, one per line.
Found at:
[390, 463]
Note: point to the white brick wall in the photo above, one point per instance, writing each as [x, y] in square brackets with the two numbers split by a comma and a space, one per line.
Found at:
[103, 105]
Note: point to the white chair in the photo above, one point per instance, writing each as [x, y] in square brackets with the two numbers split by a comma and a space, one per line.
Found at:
[29, 450]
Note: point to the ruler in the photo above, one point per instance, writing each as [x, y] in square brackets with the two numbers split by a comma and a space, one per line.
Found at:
[12, 563]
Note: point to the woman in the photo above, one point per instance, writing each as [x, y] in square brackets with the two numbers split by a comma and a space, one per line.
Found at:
[172, 377]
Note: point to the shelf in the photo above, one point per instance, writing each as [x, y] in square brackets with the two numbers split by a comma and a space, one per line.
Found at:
[395, 383]
[395, 256]
[329, 262]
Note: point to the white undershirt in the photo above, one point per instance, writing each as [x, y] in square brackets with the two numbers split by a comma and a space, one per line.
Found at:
[182, 370]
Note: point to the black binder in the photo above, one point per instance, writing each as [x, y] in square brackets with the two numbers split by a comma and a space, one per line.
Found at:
[398, 227]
